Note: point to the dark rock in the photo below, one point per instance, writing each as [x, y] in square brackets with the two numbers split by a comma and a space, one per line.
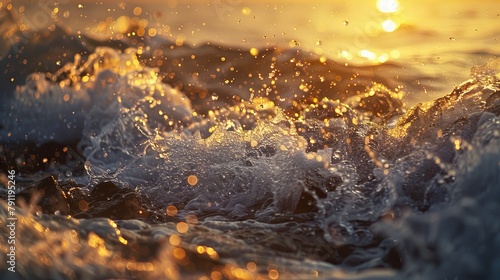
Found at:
[77, 195]
[52, 198]
[317, 187]
[111, 201]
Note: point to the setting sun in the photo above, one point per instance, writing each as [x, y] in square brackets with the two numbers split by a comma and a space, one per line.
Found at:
[388, 6]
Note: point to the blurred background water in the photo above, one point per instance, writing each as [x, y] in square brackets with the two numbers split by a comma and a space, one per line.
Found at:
[440, 39]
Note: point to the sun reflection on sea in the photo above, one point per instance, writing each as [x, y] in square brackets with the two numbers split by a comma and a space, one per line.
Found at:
[376, 24]
[388, 6]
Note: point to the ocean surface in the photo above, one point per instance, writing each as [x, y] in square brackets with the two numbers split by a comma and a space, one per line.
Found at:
[250, 140]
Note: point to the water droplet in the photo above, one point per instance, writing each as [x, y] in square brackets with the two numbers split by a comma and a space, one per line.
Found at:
[68, 173]
[294, 43]
[246, 11]
[452, 38]
[346, 22]
[254, 51]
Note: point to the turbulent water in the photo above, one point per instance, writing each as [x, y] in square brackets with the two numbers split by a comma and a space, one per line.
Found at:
[142, 158]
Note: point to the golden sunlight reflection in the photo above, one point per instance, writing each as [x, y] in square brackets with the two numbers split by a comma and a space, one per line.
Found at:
[367, 54]
[388, 6]
[350, 32]
[389, 25]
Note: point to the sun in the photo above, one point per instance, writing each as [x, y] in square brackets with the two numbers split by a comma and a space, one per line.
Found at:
[388, 6]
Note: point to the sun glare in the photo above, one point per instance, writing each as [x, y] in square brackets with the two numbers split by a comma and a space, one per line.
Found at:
[367, 54]
[389, 25]
[388, 6]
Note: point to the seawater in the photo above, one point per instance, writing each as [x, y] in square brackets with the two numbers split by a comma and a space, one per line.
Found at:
[259, 162]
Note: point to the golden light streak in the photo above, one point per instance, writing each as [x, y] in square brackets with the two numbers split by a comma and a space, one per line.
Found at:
[122, 240]
[367, 54]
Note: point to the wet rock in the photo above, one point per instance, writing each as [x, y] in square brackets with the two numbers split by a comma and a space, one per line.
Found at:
[77, 195]
[111, 201]
[317, 187]
[48, 195]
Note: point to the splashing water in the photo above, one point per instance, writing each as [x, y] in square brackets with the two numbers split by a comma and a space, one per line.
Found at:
[280, 164]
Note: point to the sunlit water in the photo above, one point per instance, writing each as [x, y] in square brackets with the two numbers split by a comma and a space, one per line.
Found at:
[230, 140]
